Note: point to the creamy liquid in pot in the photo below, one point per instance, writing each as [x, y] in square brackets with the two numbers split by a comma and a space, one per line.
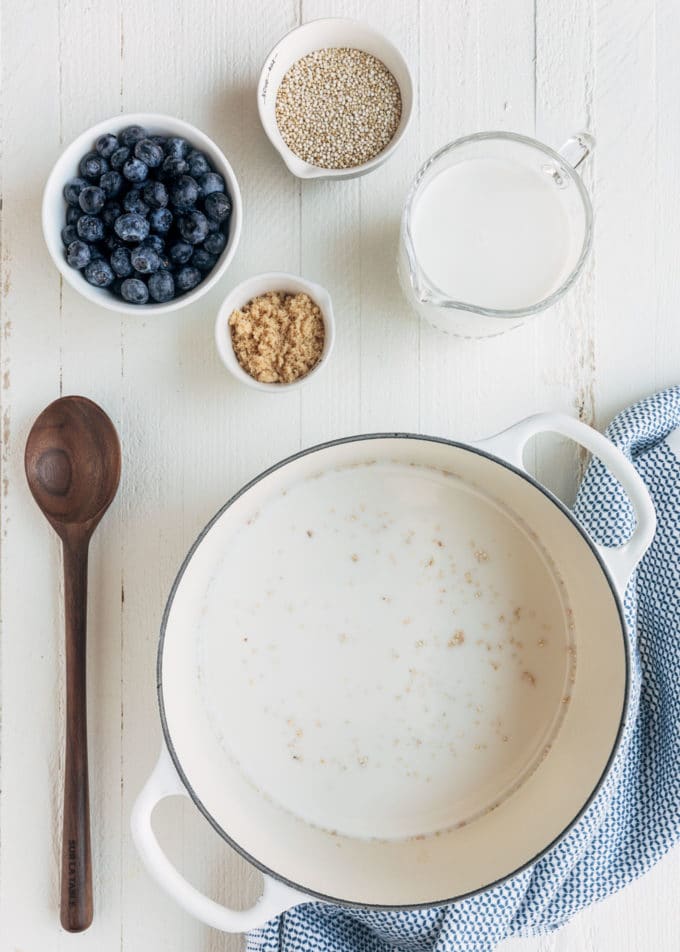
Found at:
[493, 233]
[385, 651]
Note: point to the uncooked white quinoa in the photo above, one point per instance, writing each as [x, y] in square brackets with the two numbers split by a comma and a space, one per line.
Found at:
[338, 107]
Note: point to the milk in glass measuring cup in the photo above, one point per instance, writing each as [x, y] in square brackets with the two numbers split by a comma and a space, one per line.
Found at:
[496, 228]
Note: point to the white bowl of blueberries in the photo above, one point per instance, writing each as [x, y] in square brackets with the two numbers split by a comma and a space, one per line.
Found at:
[142, 212]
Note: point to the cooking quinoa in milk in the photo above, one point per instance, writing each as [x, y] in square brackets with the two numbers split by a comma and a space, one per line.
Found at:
[337, 108]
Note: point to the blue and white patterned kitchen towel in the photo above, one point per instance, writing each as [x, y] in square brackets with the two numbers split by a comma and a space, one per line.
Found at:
[635, 819]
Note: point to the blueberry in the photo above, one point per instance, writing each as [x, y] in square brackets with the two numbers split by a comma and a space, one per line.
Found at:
[162, 286]
[131, 135]
[198, 164]
[113, 242]
[155, 242]
[110, 212]
[180, 252]
[184, 193]
[92, 199]
[144, 259]
[112, 182]
[133, 203]
[72, 215]
[155, 194]
[209, 183]
[93, 166]
[213, 226]
[78, 254]
[90, 228]
[96, 252]
[187, 278]
[135, 171]
[177, 147]
[215, 243]
[120, 262]
[218, 206]
[173, 167]
[202, 260]
[134, 291]
[160, 220]
[99, 273]
[120, 157]
[132, 227]
[73, 188]
[69, 234]
[149, 152]
[166, 263]
[159, 140]
[106, 145]
[193, 227]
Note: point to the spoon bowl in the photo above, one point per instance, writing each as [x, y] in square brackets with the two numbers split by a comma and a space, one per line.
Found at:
[72, 462]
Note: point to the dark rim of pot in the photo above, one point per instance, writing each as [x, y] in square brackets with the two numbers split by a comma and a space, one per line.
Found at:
[311, 893]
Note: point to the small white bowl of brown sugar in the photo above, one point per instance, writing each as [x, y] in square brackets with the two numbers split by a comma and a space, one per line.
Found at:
[275, 331]
[335, 98]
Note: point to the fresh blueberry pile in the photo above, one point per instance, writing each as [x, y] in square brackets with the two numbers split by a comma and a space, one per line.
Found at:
[147, 217]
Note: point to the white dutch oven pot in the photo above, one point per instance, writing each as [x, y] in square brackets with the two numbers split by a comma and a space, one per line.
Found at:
[393, 671]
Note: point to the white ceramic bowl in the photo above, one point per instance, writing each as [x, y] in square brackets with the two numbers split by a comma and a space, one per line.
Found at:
[251, 288]
[54, 207]
[321, 34]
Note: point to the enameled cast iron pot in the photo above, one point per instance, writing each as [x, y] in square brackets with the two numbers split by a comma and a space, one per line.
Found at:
[393, 671]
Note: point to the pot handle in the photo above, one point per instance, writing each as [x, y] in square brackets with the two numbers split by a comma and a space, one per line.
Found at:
[276, 898]
[509, 445]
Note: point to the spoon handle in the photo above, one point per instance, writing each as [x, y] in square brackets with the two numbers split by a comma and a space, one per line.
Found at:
[76, 860]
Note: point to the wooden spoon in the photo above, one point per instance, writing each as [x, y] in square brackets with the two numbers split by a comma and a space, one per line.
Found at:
[72, 464]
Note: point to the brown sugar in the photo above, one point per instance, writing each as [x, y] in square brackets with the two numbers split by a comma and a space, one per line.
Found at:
[278, 337]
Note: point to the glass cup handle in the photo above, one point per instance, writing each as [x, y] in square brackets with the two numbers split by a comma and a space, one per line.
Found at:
[577, 148]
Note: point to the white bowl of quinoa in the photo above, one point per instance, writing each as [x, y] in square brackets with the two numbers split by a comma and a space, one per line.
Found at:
[335, 98]
[275, 331]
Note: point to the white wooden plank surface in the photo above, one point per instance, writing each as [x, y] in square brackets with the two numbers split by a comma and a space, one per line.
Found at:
[191, 436]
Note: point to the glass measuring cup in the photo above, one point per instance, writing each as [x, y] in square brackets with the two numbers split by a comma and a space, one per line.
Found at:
[518, 244]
